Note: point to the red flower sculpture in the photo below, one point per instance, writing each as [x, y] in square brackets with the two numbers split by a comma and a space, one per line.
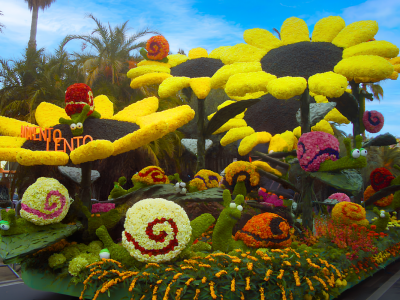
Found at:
[76, 97]
[157, 47]
[380, 178]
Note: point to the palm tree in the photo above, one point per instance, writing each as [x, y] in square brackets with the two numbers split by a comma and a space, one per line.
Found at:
[112, 46]
[34, 6]
[1, 25]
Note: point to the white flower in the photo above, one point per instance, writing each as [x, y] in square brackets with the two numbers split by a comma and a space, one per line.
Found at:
[183, 191]
[232, 205]
[182, 184]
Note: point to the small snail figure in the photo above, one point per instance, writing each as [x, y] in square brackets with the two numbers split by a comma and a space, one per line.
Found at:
[4, 225]
[79, 106]
[319, 151]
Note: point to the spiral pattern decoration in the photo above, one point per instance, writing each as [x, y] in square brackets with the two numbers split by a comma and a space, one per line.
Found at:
[380, 178]
[373, 121]
[156, 230]
[151, 175]
[157, 47]
[349, 213]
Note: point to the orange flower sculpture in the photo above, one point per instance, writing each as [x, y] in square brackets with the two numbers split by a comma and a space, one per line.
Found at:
[151, 175]
[348, 213]
[157, 47]
[369, 191]
[266, 230]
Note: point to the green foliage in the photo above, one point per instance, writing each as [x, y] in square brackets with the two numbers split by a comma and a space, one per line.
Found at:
[200, 246]
[380, 223]
[200, 225]
[240, 189]
[57, 260]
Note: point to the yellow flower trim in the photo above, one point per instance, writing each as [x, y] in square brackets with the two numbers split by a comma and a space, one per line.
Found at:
[396, 68]
[249, 142]
[47, 115]
[335, 116]
[12, 127]
[9, 154]
[140, 137]
[294, 30]
[238, 166]
[148, 79]
[11, 142]
[232, 123]
[94, 150]
[210, 116]
[266, 167]
[197, 53]
[278, 144]
[170, 86]
[242, 53]
[356, 33]
[328, 84]
[290, 139]
[229, 102]
[201, 86]
[261, 38]
[326, 29]
[321, 98]
[217, 52]
[324, 126]
[154, 63]
[146, 69]
[394, 75]
[244, 83]
[104, 106]
[297, 132]
[220, 78]
[287, 87]
[235, 134]
[176, 59]
[143, 107]
[175, 117]
[380, 48]
[250, 96]
[367, 66]
[27, 157]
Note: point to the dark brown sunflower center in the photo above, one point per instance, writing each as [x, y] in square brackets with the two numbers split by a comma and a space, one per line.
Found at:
[302, 59]
[199, 67]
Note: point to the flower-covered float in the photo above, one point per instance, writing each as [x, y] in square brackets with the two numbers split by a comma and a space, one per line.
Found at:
[161, 253]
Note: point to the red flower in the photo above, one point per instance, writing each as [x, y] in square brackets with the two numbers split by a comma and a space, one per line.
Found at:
[380, 178]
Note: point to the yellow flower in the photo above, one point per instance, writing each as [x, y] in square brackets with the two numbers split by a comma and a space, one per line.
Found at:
[170, 86]
[176, 59]
[48, 115]
[242, 53]
[324, 126]
[335, 116]
[266, 167]
[103, 105]
[197, 53]
[148, 79]
[236, 134]
[328, 84]
[140, 108]
[153, 62]
[262, 39]
[232, 123]
[294, 30]
[11, 142]
[379, 48]
[287, 87]
[247, 288]
[325, 30]
[249, 142]
[27, 157]
[94, 150]
[217, 52]
[146, 69]
[246, 83]
[12, 127]
[201, 86]
[356, 33]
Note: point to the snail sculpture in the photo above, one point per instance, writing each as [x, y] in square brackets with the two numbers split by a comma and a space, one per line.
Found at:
[79, 105]
[319, 151]
[373, 121]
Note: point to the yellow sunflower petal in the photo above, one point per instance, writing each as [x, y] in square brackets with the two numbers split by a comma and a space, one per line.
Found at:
[328, 84]
[380, 48]
[217, 52]
[141, 137]
[232, 123]
[94, 150]
[335, 116]
[396, 68]
[226, 103]
[294, 30]
[176, 59]
[201, 86]
[48, 115]
[356, 33]
[11, 142]
[320, 99]
[394, 75]
[326, 29]
[197, 53]
[278, 144]
[104, 106]
[148, 79]
[143, 107]
[12, 127]
[323, 126]
[248, 96]
[235, 134]
[261, 38]
[395, 61]
[9, 154]
[249, 142]
[266, 167]
[146, 69]
[210, 116]
[242, 53]
[369, 66]
[220, 78]
[175, 117]
[297, 132]
[290, 139]
[243, 83]
[287, 87]
[170, 86]
[27, 157]
[154, 63]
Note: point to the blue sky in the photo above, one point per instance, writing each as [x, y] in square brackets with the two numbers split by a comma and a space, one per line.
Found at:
[207, 24]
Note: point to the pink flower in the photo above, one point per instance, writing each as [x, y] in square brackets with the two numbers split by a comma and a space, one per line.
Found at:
[102, 207]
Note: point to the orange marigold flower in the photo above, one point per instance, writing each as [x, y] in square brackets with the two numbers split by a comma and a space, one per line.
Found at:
[157, 47]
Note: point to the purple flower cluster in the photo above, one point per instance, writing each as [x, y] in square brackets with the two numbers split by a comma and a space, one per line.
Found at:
[270, 199]
[102, 207]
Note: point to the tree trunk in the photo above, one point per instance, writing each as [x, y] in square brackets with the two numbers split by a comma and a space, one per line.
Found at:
[86, 194]
[306, 195]
[356, 122]
[201, 141]
[305, 112]
[32, 38]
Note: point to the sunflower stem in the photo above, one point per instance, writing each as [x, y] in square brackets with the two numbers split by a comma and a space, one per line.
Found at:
[307, 219]
[305, 111]
[86, 194]
[201, 140]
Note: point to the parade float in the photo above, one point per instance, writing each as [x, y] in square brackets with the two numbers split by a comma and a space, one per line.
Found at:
[140, 242]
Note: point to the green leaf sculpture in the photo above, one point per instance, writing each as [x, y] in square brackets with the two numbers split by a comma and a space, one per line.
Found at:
[226, 113]
[14, 247]
[345, 180]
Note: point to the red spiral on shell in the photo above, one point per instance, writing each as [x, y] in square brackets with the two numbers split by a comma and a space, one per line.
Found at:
[160, 238]
[157, 47]
[380, 178]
